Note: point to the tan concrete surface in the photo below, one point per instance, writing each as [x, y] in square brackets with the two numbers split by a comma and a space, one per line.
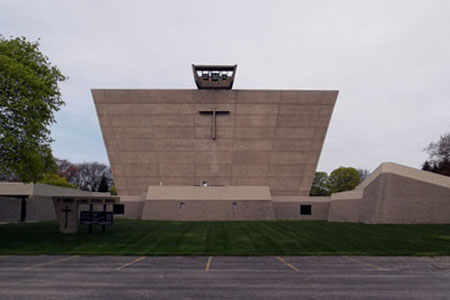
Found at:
[396, 199]
[190, 203]
[15, 189]
[134, 206]
[208, 193]
[160, 135]
[208, 210]
[344, 210]
[69, 224]
[395, 194]
[288, 208]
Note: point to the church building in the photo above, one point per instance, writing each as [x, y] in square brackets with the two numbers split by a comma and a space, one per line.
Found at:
[213, 144]
[217, 153]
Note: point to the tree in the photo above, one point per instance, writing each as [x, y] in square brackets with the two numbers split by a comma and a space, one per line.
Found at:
[29, 97]
[55, 179]
[343, 179]
[87, 176]
[113, 190]
[8, 177]
[320, 185]
[103, 186]
[363, 174]
[427, 166]
[443, 167]
[440, 150]
[439, 156]
[67, 169]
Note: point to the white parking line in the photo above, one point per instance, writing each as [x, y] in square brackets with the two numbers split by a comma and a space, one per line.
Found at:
[54, 262]
[208, 264]
[378, 268]
[287, 264]
[425, 259]
[131, 262]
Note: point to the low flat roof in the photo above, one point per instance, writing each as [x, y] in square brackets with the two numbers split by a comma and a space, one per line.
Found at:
[93, 199]
[38, 189]
[244, 193]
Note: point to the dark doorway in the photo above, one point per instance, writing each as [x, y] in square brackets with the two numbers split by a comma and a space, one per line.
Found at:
[23, 210]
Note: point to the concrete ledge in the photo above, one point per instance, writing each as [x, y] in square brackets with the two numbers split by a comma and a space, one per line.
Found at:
[15, 189]
[209, 193]
[353, 195]
[301, 199]
[411, 173]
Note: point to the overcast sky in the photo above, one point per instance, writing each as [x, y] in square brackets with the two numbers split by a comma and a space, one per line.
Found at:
[390, 60]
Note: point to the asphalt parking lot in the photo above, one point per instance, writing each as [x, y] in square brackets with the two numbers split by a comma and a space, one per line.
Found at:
[271, 277]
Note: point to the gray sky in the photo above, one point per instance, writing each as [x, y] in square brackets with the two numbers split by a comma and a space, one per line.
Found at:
[390, 60]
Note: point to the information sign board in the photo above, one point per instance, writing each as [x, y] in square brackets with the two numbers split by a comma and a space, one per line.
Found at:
[96, 218]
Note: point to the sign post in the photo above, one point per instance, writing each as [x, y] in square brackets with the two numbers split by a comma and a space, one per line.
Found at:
[67, 212]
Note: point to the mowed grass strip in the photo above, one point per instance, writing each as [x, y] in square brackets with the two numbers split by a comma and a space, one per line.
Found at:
[131, 237]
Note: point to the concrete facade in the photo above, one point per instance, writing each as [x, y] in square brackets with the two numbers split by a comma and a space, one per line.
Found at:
[288, 208]
[392, 194]
[267, 138]
[236, 203]
[165, 145]
[395, 194]
[208, 203]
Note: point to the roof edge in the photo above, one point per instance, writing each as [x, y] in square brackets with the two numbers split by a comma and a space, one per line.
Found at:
[405, 171]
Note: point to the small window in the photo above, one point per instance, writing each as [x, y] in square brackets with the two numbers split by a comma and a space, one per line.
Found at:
[305, 210]
[181, 205]
[234, 205]
[119, 209]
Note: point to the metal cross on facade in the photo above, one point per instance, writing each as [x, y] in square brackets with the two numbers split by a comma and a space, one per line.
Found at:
[214, 112]
[66, 211]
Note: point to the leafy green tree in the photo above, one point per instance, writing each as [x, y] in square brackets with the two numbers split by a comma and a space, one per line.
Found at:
[113, 190]
[319, 186]
[343, 179]
[29, 97]
[55, 179]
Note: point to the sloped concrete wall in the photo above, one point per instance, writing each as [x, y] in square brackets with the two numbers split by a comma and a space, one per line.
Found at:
[396, 199]
[269, 138]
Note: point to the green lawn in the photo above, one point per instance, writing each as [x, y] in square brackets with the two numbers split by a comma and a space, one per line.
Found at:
[130, 237]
